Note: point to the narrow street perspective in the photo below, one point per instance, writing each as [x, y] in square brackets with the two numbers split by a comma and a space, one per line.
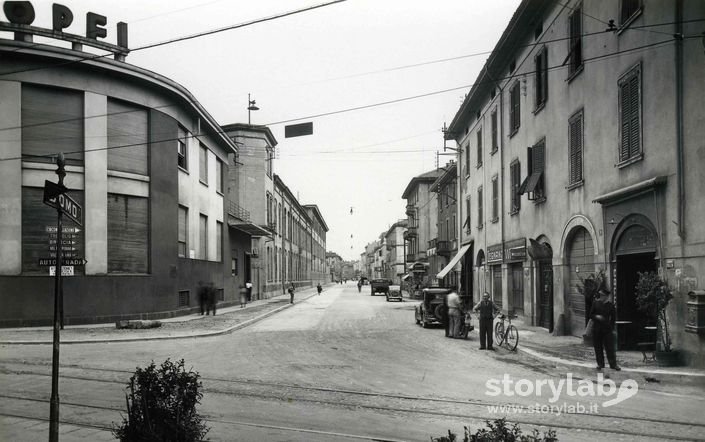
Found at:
[352, 220]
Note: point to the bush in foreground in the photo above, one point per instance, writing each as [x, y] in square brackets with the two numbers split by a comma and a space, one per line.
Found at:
[498, 431]
[161, 405]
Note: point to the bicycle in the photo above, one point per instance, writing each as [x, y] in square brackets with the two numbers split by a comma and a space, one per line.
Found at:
[508, 334]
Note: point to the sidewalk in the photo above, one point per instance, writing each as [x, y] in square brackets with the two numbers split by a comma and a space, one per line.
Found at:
[189, 326]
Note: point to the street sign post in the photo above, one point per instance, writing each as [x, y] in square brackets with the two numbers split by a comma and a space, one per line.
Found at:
[65, 204]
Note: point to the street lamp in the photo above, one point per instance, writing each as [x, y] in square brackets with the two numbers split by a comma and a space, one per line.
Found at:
[251, 106]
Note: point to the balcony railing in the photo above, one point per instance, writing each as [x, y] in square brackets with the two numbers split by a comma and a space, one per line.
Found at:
[443, 248]
[412, 232]
[239, 212]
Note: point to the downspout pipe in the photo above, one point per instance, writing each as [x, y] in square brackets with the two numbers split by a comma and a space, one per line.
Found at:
[679, 119]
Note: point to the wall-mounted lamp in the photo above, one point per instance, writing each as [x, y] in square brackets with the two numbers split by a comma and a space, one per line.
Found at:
[251, 106]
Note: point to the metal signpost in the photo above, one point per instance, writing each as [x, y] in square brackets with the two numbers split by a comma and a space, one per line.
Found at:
[55, 196]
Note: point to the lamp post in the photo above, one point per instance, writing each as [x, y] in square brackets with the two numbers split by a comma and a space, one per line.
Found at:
[251, 106]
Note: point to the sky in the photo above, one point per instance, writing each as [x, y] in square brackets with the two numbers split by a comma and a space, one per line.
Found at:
[345, 60]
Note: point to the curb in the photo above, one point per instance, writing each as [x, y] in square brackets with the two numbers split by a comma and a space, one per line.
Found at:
[162, 337]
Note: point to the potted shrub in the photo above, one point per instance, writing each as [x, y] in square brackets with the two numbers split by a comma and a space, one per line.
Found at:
[588, 287]
[652, 298]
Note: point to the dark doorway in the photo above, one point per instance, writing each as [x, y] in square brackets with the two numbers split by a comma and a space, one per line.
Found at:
[497, 285]
[630, 331]
[248, 267]
[517, 279]
[546, 295]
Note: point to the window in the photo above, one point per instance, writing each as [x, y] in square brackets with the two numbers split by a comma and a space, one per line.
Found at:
[479, 207]
[630, 116]
[218, 175]
[203, 164]
[467, 160]
[181, 148]
[467, 224]
[493, 119]
[538, 31]
[453, 232]
[202, 237]
[495, 199]
[533, 185]
[479, 148]
[183, 232]
[515, 180]
[575, 149]
[630, 9]
[183, 298]
[512, 66]
[218, 241]
[128, 138]
[541, 77]
[52, 122]
[269, 160]
[575, 47]
[128, 234]
[514, 113]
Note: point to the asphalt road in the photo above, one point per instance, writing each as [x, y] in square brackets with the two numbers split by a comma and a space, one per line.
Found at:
[342, 366]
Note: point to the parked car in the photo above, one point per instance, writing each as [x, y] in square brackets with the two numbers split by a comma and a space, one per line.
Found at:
[432, 309]
[364, 280]
[379, 286]
[394, 293]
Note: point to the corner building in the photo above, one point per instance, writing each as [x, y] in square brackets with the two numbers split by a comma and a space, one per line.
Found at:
[580, 148]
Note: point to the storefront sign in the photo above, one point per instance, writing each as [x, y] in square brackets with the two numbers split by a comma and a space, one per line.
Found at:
[515, 250]
[494, 254]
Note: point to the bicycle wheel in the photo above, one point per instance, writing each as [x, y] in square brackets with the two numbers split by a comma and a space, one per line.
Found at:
[512, 337]
[499, 333]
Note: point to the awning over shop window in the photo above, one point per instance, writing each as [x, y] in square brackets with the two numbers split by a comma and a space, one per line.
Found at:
[249, 228]
[453, 261]
[530, 183]
[405, 277]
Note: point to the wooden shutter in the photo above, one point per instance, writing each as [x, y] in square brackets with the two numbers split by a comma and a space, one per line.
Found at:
[128, 138]
[479, 207]
[479, 147]
[128, 234]
[576, 148]
[625, 121]
[52, 122]
[494, 131]
[539, 154]
[544, 74]
[634, 124]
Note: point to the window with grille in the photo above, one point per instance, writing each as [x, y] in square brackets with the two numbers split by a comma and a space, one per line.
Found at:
[514, 111]
[629, 10]
[479, 207]
[515, 176]
[493, 119]
[495, 199]
[183, 232]
[630, 116]
[575, 40]
[575, 149]
[534, 185]
[203, 164]
[541, 77]
[181, 148]
[479, 148]
[184, 300]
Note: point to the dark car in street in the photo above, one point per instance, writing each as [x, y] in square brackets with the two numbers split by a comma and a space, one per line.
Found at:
[432, 309]
[394, 293]
[379, 286]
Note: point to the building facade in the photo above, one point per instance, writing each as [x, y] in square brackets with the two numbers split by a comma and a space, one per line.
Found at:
[580, 146]
[394, 247]
[443, 250]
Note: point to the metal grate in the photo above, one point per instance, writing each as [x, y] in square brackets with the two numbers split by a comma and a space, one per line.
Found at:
[183, 298]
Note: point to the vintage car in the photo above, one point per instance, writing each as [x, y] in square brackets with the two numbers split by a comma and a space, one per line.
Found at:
[394, 293]
[432, 309]
[379, 286]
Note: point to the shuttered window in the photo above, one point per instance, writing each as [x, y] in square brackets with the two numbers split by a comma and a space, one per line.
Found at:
[538, 164]
[203, 164]
[575, 149]
[183, 232]
[467, 160]
[515, 175]
[575, 48]
[467, 224]
[128, 234]
[630, 115]
[128, 138]
[52, 122]
[495, 199]
[541, 78]
[479, 148]
[479, 207]
[514, 110]
[493, 118]
[629, 9]
[203, 237]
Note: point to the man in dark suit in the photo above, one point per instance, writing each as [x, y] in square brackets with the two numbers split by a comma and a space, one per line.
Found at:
[603, 318]
[487, 310]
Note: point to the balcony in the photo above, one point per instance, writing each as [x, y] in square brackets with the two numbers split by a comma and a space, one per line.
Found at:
[238, 212]
[443, 248]
[410, 209]
[412, 232]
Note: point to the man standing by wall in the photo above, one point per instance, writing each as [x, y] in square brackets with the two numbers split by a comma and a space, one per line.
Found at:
[487, 310]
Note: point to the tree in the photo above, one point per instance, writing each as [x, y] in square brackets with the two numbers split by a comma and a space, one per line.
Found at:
[652, 298]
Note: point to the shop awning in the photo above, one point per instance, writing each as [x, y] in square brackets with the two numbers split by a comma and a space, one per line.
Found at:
[453, 261]
[251, 229]
[405, 277]
[530, 183]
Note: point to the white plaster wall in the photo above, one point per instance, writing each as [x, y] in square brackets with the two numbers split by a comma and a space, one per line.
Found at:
[95, 210]
[11, 183]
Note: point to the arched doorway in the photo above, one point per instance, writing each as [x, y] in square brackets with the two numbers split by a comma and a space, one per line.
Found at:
[634, 250]
[541, 252]
[580, 252]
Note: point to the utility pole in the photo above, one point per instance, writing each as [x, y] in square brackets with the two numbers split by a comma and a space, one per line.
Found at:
[54, 401]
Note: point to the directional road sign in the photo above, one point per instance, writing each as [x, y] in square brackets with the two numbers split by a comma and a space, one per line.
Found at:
[63, 202]
[48, 262]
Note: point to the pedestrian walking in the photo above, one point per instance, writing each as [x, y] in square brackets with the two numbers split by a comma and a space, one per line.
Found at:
[319, 289]
[291, 293]
[211, 298]
[202, 296]
[603, 318]
[243, 296]
[487, 310]
[455, 314]
[359, 285]
[248, 286]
